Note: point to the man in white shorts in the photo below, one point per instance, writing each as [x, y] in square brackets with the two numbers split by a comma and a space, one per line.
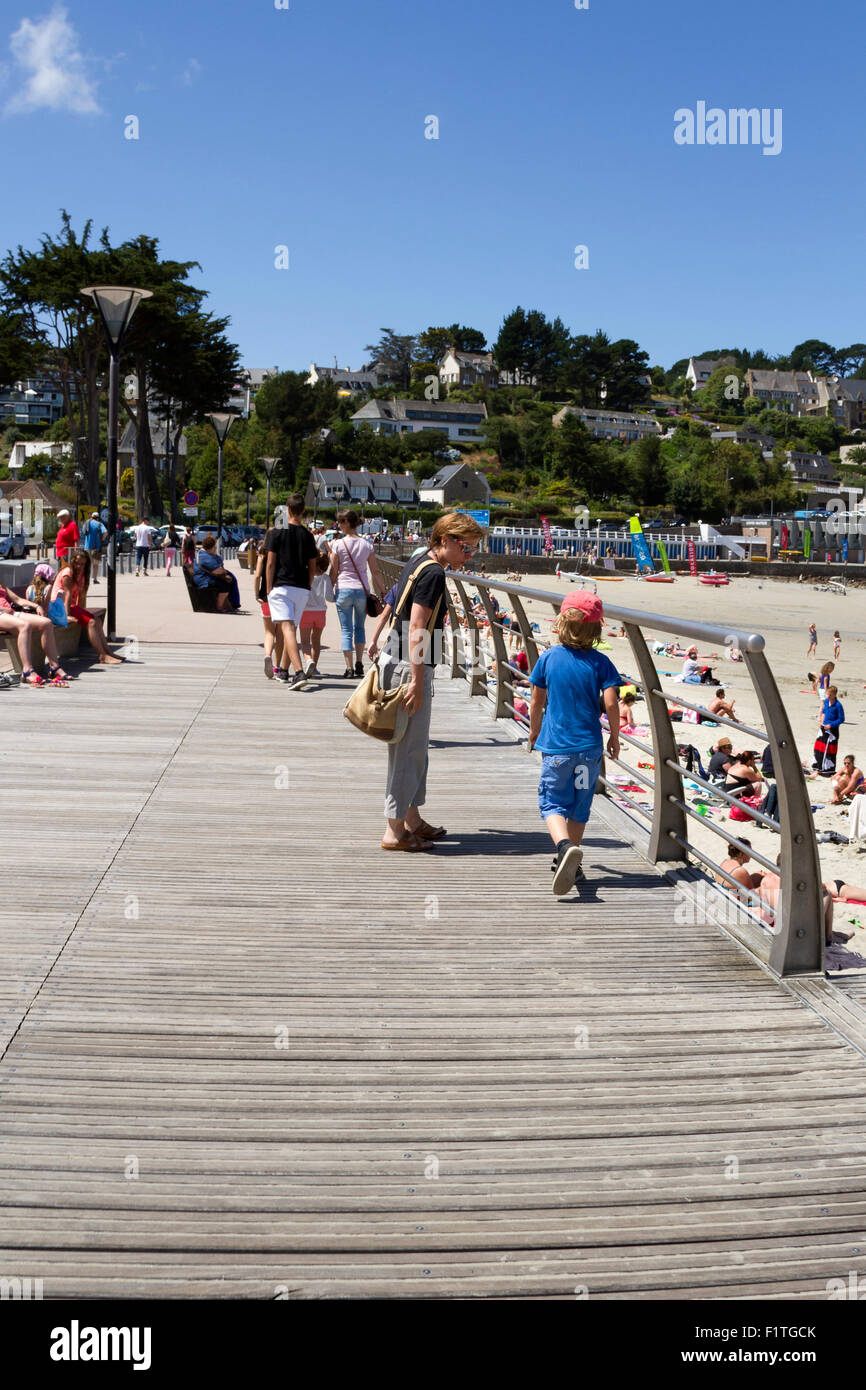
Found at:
[290, 570]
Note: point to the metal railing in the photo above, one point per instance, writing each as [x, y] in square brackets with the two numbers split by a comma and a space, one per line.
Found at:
[480, 638]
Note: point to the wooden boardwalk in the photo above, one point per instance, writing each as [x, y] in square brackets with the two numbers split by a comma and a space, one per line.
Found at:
[246, 1054]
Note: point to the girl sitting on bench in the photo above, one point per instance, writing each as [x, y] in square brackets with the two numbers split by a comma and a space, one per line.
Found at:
[71, 586]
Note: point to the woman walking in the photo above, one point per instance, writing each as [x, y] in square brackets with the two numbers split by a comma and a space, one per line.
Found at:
[170, 545]
[187, 553]
[273, 634]
[350, 558]
[409, 657]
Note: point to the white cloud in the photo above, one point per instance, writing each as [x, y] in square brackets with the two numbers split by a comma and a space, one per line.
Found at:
[191, 72]
[47, 55]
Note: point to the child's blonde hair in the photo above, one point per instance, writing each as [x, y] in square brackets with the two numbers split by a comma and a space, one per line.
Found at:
[574, 631]
[40, 584]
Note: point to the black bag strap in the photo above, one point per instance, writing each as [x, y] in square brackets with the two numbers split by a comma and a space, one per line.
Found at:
[410, 581]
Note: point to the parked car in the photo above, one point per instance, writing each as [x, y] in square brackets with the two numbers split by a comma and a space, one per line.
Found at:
[209, 528]
[14, 546]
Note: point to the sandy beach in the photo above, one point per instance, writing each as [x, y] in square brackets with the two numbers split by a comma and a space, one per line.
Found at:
[781, 611]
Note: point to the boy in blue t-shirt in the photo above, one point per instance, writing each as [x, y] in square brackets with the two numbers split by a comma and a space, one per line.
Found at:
[565, 726]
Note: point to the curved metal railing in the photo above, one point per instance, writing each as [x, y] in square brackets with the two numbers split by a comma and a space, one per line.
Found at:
[480, 641]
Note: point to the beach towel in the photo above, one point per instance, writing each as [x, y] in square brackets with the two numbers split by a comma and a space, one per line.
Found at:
[857, 818]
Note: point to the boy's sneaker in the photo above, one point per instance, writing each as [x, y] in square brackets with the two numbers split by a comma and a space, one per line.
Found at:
[568, 865]
[281, 675]
[312, 671]
[297, 681]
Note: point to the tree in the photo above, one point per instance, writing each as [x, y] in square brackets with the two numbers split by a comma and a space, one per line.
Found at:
[530, 347]
[294, 410]
[813, 355]
[724, 390]
[137, 262]
[575, 455]
[193, 370]
[44, 288]
[647, 471]
[393, 355]
[19, 355]
[628, 366]
[433, 343]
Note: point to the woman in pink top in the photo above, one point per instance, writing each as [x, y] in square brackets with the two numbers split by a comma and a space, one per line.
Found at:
[70, 587]
[350, 558]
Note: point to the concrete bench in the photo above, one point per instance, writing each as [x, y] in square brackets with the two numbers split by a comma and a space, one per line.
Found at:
[67, 639]
[201, 600]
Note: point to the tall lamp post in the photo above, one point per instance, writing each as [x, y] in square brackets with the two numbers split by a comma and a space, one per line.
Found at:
[222, 423]
[249, 500]
[269, 465]
[317, 487]
[116, 305]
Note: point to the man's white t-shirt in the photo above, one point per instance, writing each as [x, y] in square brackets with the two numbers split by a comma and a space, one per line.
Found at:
[142, 534]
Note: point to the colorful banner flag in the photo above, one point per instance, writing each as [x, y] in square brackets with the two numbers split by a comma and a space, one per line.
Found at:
[785, 537]
[807, 542]
[662, 549]
[844, 550]
[640, 547]
[692, 552]
[548, 538]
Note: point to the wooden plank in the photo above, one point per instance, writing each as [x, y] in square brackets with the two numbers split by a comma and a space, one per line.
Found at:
[431, 1008]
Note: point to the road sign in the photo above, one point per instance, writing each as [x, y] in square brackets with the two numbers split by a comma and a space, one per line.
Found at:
[190, 511]
[482, 517]
[191, 499]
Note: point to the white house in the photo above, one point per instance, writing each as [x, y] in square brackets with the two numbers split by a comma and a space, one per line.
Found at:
[454, 484]
[464, 369]
[611, 424]
[27, 449]
[458, 420]
[700, 369]
[349, 381]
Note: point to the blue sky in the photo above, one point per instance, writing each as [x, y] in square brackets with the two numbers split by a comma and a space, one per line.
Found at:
[305, 127]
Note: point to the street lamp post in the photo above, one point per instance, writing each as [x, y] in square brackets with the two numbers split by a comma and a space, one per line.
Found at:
[222, 423]
[116, 305]
[81, 462]
[79, 479]
[169, 472]
[317, 487]
[269, 466]
[249, 500]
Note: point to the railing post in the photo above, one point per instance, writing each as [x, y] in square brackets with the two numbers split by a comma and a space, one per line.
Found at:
[477, 681]
[526, 632]
[502, 691]
[455, 633]
[668, 782]
[798, 946]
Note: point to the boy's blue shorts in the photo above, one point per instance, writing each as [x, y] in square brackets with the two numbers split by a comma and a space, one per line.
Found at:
[567, 784]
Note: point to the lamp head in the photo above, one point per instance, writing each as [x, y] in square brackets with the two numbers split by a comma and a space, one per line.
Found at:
[116, 305]
[222, 422]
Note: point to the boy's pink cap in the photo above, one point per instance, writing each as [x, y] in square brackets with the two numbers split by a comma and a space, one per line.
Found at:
[585, 603]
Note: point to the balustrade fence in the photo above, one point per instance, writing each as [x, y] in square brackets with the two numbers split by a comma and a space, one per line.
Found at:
[481, 640]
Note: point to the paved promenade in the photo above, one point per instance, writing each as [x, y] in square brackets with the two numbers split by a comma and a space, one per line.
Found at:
[247, 1054]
